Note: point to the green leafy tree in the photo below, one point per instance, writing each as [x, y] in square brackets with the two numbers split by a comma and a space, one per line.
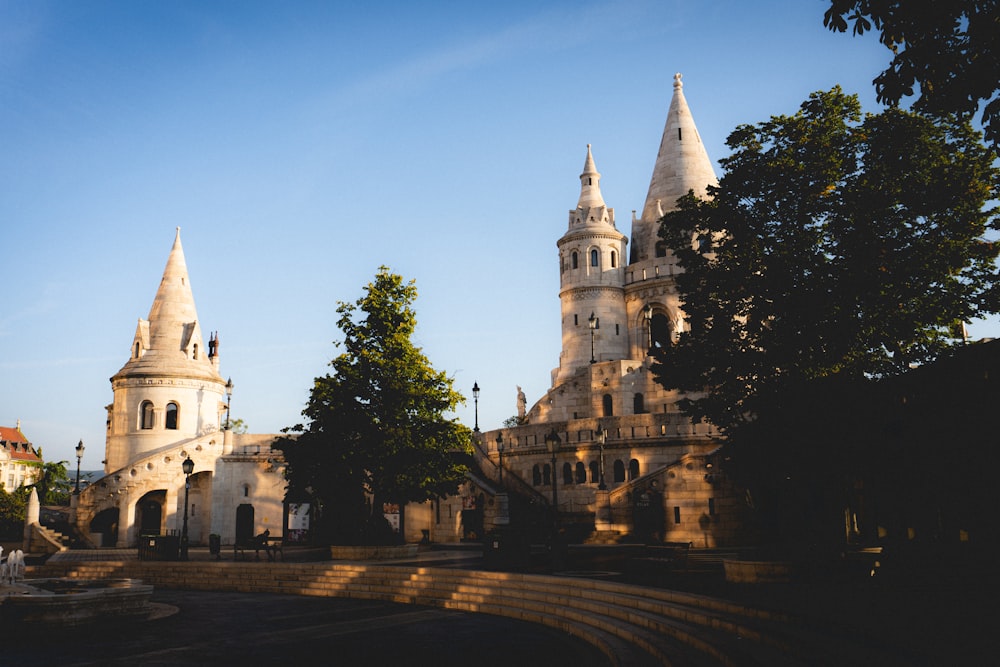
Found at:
[377, 431]
[53, 483]
[13, 509]
[238, 426]
[949, 50]
[836, 249]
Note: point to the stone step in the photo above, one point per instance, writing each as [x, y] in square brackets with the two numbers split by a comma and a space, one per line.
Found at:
[630, 624]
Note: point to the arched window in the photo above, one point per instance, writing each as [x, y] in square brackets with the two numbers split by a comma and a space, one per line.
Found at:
[608, 405]
[171, 420]
[146, 411]
[633, 469]
[614, 259]
[638, 405]
[576, 260]
[195, 351]
[661, 249]
[595, 472]
[581, 473]
[137, 350]
[546, 475]
[567, 473]
[660, 330]
[246, 490]
[619, 471]
[536, 475]
[595, 258]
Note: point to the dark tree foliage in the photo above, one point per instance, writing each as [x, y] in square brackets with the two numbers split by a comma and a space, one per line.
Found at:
[377, 431]
[13, 506]
[948, 51]
[53, 483]
[837, 249]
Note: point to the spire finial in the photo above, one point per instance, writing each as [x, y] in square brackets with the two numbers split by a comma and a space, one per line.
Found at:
[590, 188]
[677, 84]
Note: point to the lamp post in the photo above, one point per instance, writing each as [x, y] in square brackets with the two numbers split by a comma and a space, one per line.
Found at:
[649, 325]
[592, 321]
[79, 455]
[188, 468]
[500, 451]
[475, 398]
[229, 400]
[552, 442]
[601, 437]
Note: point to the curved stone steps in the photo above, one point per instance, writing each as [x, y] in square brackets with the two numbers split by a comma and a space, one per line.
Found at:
[631, 625]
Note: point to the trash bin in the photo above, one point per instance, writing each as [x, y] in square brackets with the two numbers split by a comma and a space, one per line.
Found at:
[159, 547]
[215, 545]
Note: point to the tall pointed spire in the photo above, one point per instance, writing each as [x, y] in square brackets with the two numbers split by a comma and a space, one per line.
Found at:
[170, 341]
[682, 164]
[174, 302]
[590, 184]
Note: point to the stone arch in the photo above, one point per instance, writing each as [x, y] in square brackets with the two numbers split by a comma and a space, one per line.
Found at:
[105, 524]
[150, 512]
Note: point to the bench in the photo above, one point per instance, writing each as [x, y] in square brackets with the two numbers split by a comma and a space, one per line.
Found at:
[272, 547]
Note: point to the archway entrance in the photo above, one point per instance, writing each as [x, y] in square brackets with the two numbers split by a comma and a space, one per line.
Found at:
[149, 512]
[244, 523]
[105, 524]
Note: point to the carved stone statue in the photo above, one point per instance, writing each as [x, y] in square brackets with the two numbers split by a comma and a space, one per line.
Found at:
[522, 403]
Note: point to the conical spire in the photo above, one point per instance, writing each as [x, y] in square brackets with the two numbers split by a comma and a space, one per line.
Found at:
[174, 302]
[590, 184]
[682, 162]
[170, 341]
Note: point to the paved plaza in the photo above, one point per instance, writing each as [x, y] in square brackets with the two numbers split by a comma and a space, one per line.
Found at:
[221, 628]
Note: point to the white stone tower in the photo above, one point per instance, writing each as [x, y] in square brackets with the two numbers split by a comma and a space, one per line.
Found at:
[655, 313]
[592, 278]
[170, 389]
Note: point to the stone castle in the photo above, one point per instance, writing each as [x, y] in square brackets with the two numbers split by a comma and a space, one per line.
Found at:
[624, 456]
[625, 460]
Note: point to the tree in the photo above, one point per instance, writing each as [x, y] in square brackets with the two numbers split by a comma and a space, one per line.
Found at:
[949, 50]
[52, 483]
[238, 426]
[377, 431]
[836, 249]
[13, 508]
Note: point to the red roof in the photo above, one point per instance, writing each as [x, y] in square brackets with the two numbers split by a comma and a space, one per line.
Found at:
[24, 450]
[9, 434]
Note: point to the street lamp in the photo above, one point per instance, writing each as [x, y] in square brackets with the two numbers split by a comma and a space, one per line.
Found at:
[500, 451]
[552, 442]
[475, 397]
[592, 321]
[79, 455]
[188, 468]
[649, 325]
[601, 437]
[229, 400]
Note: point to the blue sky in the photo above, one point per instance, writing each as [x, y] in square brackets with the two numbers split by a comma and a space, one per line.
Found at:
[299, 146]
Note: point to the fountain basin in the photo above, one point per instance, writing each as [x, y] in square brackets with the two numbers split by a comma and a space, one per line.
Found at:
[70, 602]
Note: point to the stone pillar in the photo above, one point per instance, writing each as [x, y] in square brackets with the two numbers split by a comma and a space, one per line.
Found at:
[602, 514]
[227, 442]
[126, 520]
[31, 518]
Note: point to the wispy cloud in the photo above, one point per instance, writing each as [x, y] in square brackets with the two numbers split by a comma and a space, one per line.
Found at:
[577, 28]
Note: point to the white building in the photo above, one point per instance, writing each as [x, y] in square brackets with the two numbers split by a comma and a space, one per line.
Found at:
[170, 404]
[19, 462]
[612, 419]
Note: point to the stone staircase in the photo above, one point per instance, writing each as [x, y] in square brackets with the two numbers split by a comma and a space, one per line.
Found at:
[49, 541]
[632, 625]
